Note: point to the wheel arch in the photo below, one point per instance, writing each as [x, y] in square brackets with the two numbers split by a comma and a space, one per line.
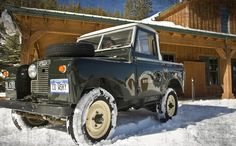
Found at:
[110, 85]
[176, 86]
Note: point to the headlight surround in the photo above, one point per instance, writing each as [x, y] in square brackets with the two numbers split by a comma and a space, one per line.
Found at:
[32, 71]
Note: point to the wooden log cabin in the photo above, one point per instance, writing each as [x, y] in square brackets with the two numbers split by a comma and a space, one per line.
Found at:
[206, 44]
[212, 68]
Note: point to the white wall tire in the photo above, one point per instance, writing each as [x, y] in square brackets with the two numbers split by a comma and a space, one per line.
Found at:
[24, 123]
[168, 106]
[94, 118]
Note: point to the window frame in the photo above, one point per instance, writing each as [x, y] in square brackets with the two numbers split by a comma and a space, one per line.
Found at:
[101, 35]
[223, 11]
[154, 54]
[206, 60]
[167, 53]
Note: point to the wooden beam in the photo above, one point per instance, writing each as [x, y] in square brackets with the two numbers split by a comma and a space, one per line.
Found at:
[231, 44]
[232, 53]
[221, 52]
[64, 33]
[190, 41]
[28, 46]
[57, 25]
[36, 35]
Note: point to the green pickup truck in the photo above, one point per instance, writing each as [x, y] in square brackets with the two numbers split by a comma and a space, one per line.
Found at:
[85, 84]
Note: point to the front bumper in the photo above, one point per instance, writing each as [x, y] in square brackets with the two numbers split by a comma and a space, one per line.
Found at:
[55, 110]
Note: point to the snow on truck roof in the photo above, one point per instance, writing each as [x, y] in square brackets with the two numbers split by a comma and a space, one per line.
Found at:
[119, 27]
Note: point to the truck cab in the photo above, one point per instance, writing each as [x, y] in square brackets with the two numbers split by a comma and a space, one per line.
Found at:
[85, 84]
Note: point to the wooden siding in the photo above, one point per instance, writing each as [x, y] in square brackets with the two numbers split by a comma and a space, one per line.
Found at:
[180, 17]
[194, 68]
[233, 21]
[183, 53]
[203, 14]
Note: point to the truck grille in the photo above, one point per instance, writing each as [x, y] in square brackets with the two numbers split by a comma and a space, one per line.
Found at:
[40, 85]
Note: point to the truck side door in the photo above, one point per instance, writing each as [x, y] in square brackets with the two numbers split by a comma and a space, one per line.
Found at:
[148, 67]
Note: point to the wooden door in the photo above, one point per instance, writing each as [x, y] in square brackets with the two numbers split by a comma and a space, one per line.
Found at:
[196, 71]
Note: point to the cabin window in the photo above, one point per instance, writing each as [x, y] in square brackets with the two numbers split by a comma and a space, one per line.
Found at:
[225, 18]
[168, 57]
[94, 41]
[117, 39]
[145, 43]
[211, 70]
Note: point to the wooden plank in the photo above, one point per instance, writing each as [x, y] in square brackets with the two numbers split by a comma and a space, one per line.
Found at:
[171, 11]
[232, 53]
[36, 35]
[189, 41]
[56, 25]
[196, 71]
[187, 17]
[226, 71]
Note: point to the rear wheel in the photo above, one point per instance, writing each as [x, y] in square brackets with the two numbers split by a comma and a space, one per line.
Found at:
[26, 123]
[94, 117]
[168, 106]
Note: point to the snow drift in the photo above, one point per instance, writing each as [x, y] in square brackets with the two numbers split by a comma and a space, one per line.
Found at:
[197, 123]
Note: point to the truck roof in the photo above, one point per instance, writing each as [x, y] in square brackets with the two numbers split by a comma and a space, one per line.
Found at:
[117, 28]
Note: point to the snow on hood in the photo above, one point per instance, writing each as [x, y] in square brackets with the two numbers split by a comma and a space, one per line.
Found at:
[8, 24]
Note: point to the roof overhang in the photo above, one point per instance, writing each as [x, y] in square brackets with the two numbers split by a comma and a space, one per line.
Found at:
[112, 21]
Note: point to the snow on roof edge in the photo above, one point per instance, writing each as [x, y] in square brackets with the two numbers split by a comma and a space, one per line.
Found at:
[150, 18]
[78, 14]
[162, 24]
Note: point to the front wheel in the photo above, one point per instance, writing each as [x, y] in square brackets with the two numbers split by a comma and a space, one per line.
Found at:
[168, 106]
[94, 117]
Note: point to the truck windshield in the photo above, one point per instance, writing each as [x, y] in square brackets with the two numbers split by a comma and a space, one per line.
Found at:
[110, 40]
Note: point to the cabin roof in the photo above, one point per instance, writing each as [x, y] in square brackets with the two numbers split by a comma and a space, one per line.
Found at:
[113, 21]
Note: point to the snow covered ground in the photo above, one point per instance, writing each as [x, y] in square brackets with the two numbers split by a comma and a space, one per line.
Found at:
[211, 122]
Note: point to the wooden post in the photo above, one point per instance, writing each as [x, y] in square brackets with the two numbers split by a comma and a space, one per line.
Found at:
[226, 71]
[227, 78]
[24, 51]
[28, 46]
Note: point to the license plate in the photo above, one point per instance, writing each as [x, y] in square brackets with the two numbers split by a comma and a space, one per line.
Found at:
[59, 86]
[10, 85]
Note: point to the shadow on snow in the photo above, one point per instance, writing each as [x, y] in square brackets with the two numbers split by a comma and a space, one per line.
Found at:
[143, 122]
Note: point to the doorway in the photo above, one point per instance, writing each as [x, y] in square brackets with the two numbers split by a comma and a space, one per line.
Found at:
[196, 71]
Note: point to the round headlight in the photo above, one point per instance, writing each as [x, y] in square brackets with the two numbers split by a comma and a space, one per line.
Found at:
[32, 71]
